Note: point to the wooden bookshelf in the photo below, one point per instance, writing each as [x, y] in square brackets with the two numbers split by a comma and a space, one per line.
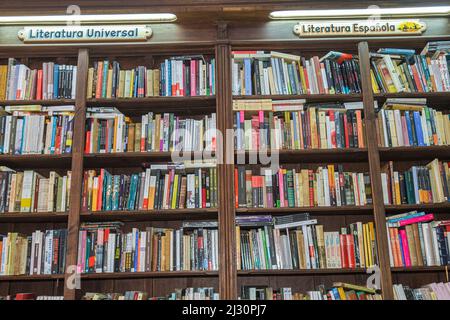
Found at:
[219, 39]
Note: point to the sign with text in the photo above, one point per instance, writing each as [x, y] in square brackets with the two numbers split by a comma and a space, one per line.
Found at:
[116, 33]
[359, 28]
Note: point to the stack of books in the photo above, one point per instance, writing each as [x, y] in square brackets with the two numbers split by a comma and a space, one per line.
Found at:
[34, 129]
[292, 125]
[104, 247]
[327, 186]
[298, 242]
[265, 73]
[52, 81]
[432, 291]
[402, 70]
[44, 252]
[108, 130]
[176, 76]
[29, 191]
[161, 186]
[419, 184]
[338, 291]
[416, 239]
[409, 122]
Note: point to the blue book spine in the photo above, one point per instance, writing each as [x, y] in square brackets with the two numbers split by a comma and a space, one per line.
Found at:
[162, 74]
[415, 184]
[105, 77]
[52, 145]
[408, 127]
[401, 250]
[55, 81]
[336, 294]
[169, 78]
[417, 214]
[418, 125]
[400, 52]
[238, 128]
[248, 76]
[426, 71]
[23, 134]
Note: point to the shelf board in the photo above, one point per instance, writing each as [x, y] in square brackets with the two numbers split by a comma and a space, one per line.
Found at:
[416, 153]
[152, 215]
[36, 161]
[307, 97]
[299, 272]
[434, 207]
[343, 210]
[128, 159]
[36, 277]
[163, 104]
[33, 217]
[309, 155]
[418, 269]
[51, 102]
[155, 274]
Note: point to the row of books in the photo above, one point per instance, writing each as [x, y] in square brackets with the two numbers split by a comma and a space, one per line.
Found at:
[104, 247]
[298, 242]
[110, 131]
[30, 296]
[160, 186]
[190, 293]
[264, 73]
[338, 291]
[290, 187]
[35, 129]
[29, 191]
[52, 81]
[416, 239]
[176, 76]
[406, 124]
[402, 70]
[420, 184]
[432, 291]
[44, 252]
[324, 126]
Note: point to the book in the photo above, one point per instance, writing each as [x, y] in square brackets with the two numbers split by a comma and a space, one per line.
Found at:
[265, 73]
[50, 81]
[190, 75]
[105, 248]
[431, 291]
[42, 252]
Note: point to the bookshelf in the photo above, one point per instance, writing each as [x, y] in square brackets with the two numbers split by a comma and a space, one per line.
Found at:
[227, 279]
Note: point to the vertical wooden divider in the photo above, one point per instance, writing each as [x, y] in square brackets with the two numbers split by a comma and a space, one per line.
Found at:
[77, 170]
[227, 239]
[375, 173]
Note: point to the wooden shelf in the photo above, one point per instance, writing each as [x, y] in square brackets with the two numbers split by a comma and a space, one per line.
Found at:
[36, 277]
[310, 155]
[36, 161]
[155, 274]
[162, 104]
[52, 102]
[432, 208]
[130, 159]
[416, 153]
[307, 97]
[33, 217]
[418, 269]
[151, 215]
[299, 272]
[343, 210]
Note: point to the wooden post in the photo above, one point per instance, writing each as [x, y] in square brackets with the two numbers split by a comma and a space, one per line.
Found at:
[375, 173]
[227, 243]
[77, 170]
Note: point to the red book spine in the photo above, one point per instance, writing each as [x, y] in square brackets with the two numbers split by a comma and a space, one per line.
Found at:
[311, 188]
[98, 89]
[308, 88]
[343, 250]
[39, 85]
[347, 143]
[351, 251]
[87, 145]
[100, 190]
[333, 131]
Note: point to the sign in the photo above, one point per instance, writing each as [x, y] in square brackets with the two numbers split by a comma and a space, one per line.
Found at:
[114, 33]
[359, 28]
